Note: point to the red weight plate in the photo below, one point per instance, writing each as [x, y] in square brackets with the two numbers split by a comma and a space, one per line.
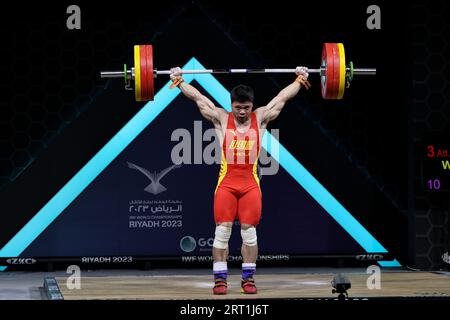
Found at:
[327, 73]
[150, 75]
[330, 77]
[144, 73]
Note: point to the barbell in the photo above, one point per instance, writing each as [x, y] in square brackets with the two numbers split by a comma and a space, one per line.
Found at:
[335, 75]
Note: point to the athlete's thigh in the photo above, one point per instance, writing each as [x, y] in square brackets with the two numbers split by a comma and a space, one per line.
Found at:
[250, 206]
[225, 205]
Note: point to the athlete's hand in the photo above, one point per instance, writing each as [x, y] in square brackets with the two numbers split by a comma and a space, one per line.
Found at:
[175, 74]
[302, 71]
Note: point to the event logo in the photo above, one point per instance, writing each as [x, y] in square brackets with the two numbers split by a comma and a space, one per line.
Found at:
[188, 244]
[154, 187]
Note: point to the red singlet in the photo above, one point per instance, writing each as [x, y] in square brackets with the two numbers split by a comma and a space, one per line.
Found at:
[238, 192]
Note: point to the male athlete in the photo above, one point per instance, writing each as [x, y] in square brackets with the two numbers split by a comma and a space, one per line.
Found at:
[238, 193]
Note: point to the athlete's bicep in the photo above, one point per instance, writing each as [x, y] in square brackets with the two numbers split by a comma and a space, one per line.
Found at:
[269, 112]
[208, 109]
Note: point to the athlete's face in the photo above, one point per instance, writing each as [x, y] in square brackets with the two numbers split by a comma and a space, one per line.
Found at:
[242, 110]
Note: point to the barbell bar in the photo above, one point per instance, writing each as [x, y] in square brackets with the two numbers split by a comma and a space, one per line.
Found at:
[336, 76]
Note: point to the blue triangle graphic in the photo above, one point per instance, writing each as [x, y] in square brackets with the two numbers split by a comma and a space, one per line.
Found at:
[64, 197]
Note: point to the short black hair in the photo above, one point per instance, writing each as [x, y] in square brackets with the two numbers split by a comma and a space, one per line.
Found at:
[242, 93]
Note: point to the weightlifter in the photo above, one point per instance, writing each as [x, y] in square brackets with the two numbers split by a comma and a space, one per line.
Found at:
[238, 193]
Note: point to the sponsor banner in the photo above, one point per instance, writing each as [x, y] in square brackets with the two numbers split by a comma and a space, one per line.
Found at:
[189, 245]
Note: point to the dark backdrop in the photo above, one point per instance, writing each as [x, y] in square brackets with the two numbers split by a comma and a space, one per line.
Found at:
[361, 148]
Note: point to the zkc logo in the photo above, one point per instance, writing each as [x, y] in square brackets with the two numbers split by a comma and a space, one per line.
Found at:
[16, 261]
